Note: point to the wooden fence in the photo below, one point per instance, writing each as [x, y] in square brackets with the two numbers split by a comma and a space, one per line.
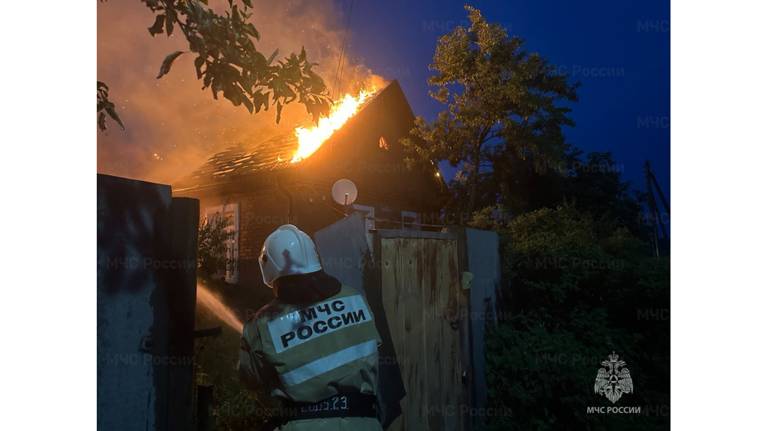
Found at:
[423, 299]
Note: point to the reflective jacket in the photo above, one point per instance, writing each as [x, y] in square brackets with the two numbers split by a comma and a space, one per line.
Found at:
[309, 352]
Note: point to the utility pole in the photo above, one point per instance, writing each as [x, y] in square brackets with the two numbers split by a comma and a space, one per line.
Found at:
[659, 230]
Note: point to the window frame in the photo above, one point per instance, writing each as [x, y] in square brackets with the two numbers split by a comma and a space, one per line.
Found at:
[232, 271]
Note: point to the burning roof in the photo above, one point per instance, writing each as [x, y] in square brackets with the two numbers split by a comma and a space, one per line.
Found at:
[362, 146]
[282, 151]
[312, 138]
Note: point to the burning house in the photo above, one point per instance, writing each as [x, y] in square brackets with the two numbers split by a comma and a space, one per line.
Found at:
[289, 178]
[422, 280]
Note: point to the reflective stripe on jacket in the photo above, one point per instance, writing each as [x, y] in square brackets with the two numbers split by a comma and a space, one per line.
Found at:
[317, 350]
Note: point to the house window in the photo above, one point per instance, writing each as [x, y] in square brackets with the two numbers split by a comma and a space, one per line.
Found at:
[383, 144]
[231, 213]
[410, 220]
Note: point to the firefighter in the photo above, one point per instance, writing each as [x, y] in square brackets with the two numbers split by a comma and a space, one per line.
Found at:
[313, 350]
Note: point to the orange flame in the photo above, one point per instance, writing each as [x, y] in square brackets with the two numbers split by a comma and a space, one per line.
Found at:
[311, 139]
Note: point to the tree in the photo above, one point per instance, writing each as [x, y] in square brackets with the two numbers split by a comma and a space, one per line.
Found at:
[228, 62]
[519, 187]
[590, 183]
[500, 101]
[594, 185]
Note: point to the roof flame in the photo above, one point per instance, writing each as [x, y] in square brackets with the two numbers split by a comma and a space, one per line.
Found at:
[311, 139]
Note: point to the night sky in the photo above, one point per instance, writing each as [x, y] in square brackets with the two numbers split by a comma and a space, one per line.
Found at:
[618, 50]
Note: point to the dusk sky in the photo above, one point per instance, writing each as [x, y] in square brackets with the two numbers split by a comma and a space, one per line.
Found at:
[618, 50]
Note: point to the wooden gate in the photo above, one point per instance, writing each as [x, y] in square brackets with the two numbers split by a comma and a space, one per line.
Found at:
[422, 296]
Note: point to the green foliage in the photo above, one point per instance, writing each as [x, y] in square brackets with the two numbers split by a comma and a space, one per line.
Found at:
[576, 292]
[595, 185]
[105, 107]
[212, 237]
[227, 61]
[500, 101]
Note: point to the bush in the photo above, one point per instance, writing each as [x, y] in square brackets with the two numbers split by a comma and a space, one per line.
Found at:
[212, 237]
[575, 294]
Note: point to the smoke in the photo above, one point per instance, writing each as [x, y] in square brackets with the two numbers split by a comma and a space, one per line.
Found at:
[208, 300]
[172, 126]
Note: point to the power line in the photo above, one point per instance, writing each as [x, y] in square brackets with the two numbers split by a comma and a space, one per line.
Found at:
[340, 66]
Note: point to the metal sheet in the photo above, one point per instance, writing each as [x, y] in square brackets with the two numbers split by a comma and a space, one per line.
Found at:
[343, 250]
[146, 251]
[483, 263]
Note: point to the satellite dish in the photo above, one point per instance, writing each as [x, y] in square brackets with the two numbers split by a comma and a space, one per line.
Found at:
[344, 192]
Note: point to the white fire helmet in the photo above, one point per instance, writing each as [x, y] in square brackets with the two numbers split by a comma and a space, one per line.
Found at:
[287, 251]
